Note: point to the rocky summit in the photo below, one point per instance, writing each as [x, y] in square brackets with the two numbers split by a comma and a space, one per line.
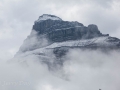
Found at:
[51, 34]
[57, 30]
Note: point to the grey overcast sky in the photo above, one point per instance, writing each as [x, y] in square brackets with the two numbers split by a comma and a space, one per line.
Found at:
[18, 16]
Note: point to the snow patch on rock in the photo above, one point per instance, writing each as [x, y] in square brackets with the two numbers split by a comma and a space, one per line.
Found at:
[47, 17]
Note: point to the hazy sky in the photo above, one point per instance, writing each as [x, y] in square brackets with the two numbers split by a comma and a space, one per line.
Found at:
[90, 71]
[18, 16]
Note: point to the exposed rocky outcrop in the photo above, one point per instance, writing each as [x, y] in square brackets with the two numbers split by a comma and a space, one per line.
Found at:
[59, 30]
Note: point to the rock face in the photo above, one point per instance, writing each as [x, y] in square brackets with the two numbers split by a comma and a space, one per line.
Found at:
[58, 30]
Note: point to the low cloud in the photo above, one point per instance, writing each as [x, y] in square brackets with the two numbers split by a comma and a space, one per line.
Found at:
[86, 70]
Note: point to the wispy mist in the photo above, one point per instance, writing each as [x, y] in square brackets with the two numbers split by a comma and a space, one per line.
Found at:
[84, 70]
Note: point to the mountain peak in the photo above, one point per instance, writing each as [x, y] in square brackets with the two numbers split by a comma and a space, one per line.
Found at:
[52, 38]
[47, 17]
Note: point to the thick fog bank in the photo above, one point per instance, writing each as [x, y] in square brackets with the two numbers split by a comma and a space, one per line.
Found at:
[83, 70]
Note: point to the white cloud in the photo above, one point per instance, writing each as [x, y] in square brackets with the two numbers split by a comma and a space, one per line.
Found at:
[85, 69]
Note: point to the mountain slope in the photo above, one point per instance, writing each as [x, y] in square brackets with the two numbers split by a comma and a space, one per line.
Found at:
[53, 36]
